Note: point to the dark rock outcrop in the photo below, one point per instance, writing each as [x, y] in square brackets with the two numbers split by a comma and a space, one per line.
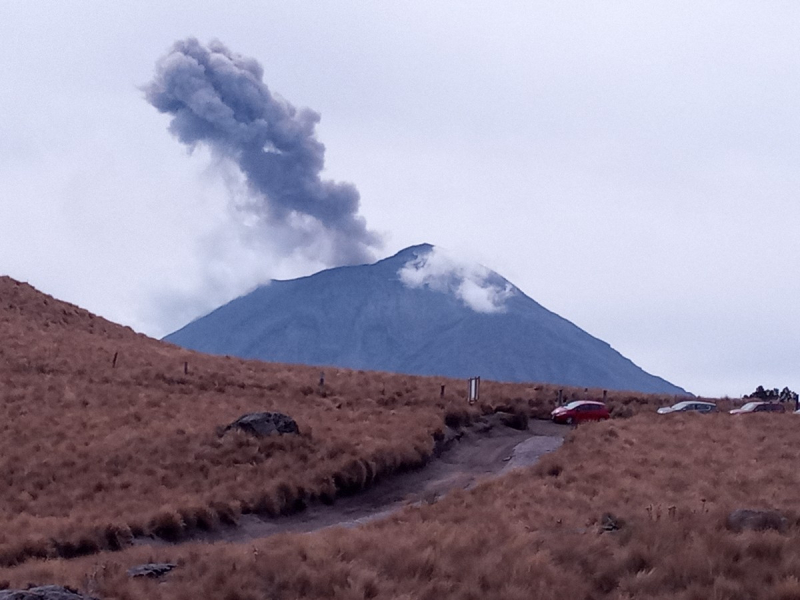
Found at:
[756, 520]
[151, 570]
[263, 424]
[45, 592]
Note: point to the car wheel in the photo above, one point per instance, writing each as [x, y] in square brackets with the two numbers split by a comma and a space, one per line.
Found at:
[569, 421]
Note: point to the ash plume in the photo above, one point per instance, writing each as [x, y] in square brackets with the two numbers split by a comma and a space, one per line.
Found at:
[218, 99]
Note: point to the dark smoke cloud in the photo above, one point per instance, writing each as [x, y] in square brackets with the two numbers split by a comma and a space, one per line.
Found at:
[218, 98]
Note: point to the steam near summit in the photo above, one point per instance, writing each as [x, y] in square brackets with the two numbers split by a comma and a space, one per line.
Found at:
[443, 271]
[218, 99]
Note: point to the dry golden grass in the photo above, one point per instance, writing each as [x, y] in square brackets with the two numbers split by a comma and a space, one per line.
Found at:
[534, 533]
[93, 451]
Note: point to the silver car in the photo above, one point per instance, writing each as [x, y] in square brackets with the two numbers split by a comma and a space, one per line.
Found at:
[689, 406]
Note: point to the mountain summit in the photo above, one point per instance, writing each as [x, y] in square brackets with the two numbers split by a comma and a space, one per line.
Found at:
[422, 311]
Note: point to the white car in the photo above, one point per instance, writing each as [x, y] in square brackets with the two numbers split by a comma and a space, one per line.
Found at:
[759, 407]
[688, 406]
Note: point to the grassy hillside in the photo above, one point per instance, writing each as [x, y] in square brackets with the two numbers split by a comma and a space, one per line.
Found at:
[106, 434]
[666, 485]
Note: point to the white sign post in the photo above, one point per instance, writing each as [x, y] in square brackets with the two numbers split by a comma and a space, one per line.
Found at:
[474, 389]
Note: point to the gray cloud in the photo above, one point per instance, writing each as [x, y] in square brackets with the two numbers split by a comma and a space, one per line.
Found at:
[218, 99]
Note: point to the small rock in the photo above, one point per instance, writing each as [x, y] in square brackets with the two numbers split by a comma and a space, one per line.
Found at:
[444, 439]
[756, 520]
[45, 592]
[610, 523]
[483, 425]
[263, 424]
[515, 420]
[151, 570]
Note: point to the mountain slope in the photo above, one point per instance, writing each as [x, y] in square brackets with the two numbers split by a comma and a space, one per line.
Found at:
[422, 312]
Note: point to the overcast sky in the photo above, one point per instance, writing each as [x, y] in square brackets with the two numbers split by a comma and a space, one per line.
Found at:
[632, 166]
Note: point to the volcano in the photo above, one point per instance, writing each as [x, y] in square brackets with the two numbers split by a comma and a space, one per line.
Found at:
[422, 311]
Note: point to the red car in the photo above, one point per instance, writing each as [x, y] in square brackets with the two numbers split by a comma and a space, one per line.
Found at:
[579, 411]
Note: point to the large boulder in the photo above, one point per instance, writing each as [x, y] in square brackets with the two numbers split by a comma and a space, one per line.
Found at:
[756, 520]
[45, 592]
[263, 424]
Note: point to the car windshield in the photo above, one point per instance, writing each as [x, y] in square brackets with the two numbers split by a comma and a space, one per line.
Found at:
[751, 405]
[681, 405]
[587, 404]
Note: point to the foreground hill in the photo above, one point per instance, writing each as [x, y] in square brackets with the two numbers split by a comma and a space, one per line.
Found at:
[423, 312]
[625, 509]
[106, 434]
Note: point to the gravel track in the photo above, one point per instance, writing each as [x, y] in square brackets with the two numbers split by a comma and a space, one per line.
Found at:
[476, 456]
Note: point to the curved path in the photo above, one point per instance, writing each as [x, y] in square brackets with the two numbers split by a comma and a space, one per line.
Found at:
[476, 456]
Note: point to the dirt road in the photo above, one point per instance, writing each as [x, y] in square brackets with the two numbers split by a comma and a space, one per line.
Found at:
[474, 457]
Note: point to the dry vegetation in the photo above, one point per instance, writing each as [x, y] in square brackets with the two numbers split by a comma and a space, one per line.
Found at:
[104, 436]
[536, 533]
